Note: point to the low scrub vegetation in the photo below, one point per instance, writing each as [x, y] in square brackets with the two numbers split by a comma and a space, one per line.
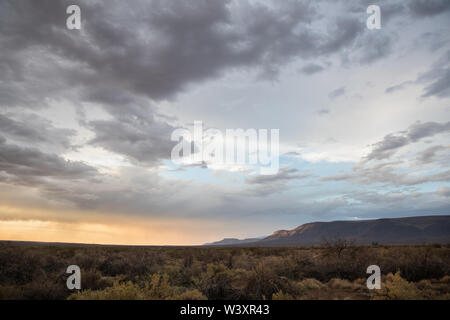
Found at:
[331, 271]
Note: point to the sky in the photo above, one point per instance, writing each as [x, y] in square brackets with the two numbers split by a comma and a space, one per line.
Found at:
[86, 116]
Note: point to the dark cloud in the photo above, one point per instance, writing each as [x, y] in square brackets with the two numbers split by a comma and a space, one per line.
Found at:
[345, 31]
[392, 142]
[34, 130]
[29, 163]
[126, 58]
[142, 139]
[385, 148]
[429, 155]
[428, 8]
[397, 87]
[428, 129]
[435, 40]
[135, 130]
[311, 68]
[337, 93]
[374, 47]
[390, 10]
[158, 48]
[440, 87]
[358, 45]
[437, 78]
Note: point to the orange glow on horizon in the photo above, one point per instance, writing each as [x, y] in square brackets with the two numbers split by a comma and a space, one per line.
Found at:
[97, 233]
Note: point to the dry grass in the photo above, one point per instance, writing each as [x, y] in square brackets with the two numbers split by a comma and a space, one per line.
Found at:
[327, 272]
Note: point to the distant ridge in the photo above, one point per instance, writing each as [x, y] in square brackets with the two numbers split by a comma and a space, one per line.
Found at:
[232, 241]
[412, 230]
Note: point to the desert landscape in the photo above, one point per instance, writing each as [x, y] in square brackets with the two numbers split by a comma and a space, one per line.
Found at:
[330, 271]
[238, 152]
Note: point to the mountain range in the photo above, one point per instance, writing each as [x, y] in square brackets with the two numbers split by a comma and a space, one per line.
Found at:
[411, 230]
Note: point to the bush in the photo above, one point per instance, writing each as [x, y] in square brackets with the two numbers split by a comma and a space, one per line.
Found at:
[394, 287]
[10, 293]
[309, 284]
[156, 288]
[280, 295]
[189, 294]
[341, 284]
[216, 282]
[93, 280]
[334, 271]
[119, 291]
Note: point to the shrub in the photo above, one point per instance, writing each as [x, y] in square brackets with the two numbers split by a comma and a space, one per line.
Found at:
[119, 291]
[337, 270]
[93, 280]
[310, 284]
[262, 282]
[158, 288]
[280, 295]
[189, 294]
[341, 284]
[394, 287]
[216, 282]
[10, 293]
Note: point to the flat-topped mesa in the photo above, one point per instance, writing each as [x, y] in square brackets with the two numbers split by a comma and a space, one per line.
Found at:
[409, 230]
[288, 233]
[305, 227]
